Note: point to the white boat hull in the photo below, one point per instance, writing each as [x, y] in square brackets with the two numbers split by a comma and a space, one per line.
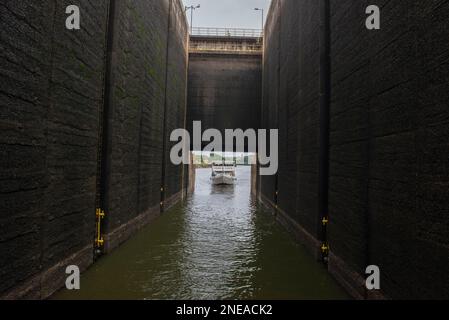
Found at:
[223, 179]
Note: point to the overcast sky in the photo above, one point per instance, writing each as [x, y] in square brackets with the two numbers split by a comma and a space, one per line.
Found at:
[228, 13]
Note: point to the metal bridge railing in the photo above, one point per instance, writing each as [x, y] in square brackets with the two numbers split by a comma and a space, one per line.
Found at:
[225, 47]
[220, 47]
[227, 32]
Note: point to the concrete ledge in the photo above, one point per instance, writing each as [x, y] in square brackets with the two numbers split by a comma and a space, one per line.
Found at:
[174, 199]
[254, 174]
[123, 233]
[312, 244]
[351, 280]
[301, 235]
[47, 282]
[376, 295]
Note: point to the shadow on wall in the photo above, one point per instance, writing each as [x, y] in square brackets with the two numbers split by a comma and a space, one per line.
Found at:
[88, 129]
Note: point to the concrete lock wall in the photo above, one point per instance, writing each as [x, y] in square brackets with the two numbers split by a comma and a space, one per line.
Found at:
[270, 93]
[224, 83]
[147, 90]
[61, 90]
[291, 103]
[50, 97]
[389, 137]
[388, 178]
[176, 101]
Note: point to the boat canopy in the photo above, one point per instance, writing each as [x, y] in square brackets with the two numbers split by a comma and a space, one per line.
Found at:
[224, 163]
[223, 167]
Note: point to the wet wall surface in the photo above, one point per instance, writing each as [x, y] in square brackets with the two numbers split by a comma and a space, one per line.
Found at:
[52, 87]
[291, 104]
[224, 91]
[149, 66]
[126, 68]
[389, 137]
[388, 131]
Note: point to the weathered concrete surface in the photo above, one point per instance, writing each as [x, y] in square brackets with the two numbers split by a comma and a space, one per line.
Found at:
[51, 91]
[176, 99]
[224, 86]
[389, 130]
[270, 92]
[52, 97]
[388, 176]
[149, 64]
[291, 104]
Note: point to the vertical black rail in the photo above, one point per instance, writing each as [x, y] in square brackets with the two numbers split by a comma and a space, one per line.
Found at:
[325, 96]
[185, 168]
[278, 98]
[104, 129]
[261, 119]
[164, 127]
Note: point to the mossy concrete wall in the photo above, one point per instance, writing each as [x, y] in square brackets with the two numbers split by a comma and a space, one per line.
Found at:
[388, 132]
[52, 102]
[291, 100]
[147, 101]
[389, 136]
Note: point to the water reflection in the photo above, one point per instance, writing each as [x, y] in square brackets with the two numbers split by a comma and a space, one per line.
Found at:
[215, 246]
[220, 242]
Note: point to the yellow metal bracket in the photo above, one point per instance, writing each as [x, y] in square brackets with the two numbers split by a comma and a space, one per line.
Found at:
[99, 241]
[325, 248]
[325, 221]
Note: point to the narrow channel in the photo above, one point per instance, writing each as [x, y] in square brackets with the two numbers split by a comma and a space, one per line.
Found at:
[216, 245]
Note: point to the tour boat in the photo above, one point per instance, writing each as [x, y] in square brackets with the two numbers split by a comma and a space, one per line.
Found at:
[223, 173]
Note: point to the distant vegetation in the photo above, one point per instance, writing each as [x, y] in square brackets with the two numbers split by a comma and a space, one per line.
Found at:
[205, 160]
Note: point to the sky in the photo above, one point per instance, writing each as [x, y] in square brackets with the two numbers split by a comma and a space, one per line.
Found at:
[228, 13]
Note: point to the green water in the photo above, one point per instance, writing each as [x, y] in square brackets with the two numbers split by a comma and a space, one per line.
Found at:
[217, 245]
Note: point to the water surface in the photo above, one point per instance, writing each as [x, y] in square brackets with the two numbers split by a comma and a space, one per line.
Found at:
[217, 245]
